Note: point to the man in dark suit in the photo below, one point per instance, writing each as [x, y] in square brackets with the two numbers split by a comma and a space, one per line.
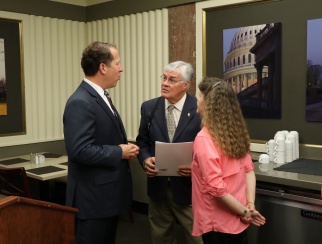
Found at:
[99, 179]
[169, 197]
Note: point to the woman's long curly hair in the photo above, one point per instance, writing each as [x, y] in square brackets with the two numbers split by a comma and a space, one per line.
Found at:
[223, 117]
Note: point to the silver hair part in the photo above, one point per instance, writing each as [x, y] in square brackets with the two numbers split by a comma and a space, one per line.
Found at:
[185, 69]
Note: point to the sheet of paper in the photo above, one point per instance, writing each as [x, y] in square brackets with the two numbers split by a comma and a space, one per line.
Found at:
[168, 156]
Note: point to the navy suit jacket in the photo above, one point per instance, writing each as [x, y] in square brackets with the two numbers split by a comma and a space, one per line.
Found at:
[188, 127]
[99, 181]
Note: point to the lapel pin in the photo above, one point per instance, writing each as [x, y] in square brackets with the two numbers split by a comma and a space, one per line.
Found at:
[188, 114]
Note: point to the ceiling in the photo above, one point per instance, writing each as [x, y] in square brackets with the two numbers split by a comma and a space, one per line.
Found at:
[83, 3]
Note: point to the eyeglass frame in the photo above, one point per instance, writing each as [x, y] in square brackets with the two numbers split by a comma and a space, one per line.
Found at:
[169, 79]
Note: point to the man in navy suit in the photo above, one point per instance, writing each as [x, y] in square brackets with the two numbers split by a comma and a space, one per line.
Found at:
[169, 197]
[99, 179]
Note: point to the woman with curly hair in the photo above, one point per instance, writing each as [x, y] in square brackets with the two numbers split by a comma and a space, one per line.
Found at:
[223, 180]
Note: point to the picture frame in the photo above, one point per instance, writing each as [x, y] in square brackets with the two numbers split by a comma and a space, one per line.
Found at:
[214, 18]
[294, 56]
[13, 121]
[314, 71]
[255, 94]
[252, 65]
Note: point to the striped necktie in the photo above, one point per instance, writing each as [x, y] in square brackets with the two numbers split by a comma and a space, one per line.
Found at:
[111, 103]
[171, 123]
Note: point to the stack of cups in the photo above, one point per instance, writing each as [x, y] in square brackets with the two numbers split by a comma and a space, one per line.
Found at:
[289, 155]
[286, 132]
[291, 138]
[270, 149]
[296, 134]
[279, 153]
[280, 134]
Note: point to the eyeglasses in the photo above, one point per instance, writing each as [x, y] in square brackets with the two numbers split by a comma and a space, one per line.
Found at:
[171, 80]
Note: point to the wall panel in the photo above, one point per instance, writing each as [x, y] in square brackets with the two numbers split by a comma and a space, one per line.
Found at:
[51, 59]
[52, 51]
[142, 40]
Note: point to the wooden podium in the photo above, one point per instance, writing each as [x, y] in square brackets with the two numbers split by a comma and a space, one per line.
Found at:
[25, 220]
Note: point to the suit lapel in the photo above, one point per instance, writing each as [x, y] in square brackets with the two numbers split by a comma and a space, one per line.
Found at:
[159, 117]
[188, 112]
[102, 103]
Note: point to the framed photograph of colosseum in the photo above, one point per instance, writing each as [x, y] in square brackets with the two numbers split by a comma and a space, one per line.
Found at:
[12, 102]
[252, 65]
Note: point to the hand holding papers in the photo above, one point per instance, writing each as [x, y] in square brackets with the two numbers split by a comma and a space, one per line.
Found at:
[169, 156]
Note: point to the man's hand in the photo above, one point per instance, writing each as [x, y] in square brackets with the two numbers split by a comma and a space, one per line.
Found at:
[129, 151]
[185, 170]
[149, 167]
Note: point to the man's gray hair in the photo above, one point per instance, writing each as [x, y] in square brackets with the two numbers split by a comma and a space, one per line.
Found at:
[184, 69]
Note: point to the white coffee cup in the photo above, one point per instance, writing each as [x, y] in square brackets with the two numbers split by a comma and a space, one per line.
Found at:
[270, 143]
[279, 134]
[279, 154]
[296, 134]
[288, 158]
[279, 141]
[270, 148]
[288, 144]
[292, 138]
[279, 160]
[263, 159]
[264, 167]
[280, 147]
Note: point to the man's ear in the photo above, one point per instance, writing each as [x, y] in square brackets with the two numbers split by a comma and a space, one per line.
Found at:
[186, 85]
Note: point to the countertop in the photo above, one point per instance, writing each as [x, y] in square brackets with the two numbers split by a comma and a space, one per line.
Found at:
[266, 173]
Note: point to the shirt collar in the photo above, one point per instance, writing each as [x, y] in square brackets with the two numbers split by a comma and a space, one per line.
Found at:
[179, 104]
[97, 88]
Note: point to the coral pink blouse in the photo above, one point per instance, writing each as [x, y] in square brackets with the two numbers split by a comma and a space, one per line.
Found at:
[215, 175]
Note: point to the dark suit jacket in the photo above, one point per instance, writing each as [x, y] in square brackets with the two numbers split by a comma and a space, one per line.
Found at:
[99, 181]
[188, 127]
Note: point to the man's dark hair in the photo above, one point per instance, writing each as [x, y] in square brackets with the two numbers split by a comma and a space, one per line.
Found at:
[95, 54]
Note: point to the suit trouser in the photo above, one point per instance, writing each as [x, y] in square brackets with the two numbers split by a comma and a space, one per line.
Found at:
[98, 231]
[163, 217]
